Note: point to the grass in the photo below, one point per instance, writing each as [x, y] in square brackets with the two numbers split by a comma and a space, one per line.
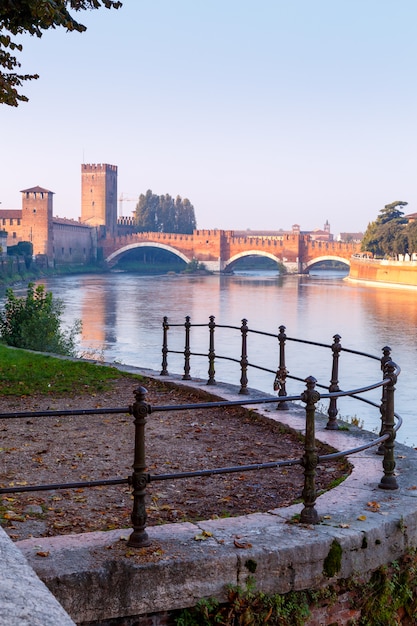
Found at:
[24, 373]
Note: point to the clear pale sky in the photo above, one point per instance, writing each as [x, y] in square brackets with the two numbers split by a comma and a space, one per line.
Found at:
[263, 114]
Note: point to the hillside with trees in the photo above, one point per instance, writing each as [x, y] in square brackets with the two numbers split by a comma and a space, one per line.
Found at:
[391, 233]
[163, 214]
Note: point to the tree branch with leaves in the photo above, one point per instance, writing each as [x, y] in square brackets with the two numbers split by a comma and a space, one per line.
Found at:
[33, 17]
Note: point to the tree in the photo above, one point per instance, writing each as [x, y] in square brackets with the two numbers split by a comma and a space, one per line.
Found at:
[18, 17]
[34, 322]
[412, 236]
[163, 214]
[387, 234]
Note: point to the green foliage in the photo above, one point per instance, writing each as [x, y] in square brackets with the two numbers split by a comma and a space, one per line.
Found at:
[195, 266]
[388, 234]
[34, 322]
[25, 373]
[34, 16]
[333, 561]
[24, 249]
[163, 214]
[390, 592]
[249, 607]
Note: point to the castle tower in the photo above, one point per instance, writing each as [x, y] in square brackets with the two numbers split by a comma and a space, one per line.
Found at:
[99, 196]
[36, 221]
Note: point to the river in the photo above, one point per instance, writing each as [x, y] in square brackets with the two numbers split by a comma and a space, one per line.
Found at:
[122, 322]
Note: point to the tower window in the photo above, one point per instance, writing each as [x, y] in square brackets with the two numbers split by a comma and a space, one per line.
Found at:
[34, 210]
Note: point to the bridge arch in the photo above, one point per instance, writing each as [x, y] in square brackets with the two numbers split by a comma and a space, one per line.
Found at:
[112, 258]
[327, 257]
[241, 255]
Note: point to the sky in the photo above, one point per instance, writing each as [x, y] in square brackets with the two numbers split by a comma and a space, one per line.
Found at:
[264, 114]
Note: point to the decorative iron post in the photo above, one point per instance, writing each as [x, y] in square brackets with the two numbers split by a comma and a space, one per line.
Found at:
[139, 537]
[388, 481]
[281, 375]
[334, 384]
[386, 357]
[244, 358]
[187, 350]
[310, 396]
[165, 328]
[211, 353]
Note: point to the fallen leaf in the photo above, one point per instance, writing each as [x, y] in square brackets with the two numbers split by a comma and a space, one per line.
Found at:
[203, 536]
[42, 553]
[362, 518]
[14, 517]
[242, 544]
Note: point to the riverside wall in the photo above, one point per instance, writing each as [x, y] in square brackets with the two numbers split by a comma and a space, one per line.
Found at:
[383, 273]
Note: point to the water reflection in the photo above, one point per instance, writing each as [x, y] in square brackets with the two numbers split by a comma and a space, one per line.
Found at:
[122, 318]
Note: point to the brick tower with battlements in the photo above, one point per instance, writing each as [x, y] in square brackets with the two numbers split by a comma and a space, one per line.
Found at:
[36, 220]
[99, 196]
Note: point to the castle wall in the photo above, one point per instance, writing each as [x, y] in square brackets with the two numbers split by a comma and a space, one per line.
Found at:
[73, 243]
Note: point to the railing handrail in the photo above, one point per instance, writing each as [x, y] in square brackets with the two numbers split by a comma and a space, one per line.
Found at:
[140, 409]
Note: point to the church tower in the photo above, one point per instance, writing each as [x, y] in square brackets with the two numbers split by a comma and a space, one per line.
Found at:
[99, 196]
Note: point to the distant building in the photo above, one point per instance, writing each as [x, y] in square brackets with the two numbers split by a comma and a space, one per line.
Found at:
[315, 235]
[65, 241]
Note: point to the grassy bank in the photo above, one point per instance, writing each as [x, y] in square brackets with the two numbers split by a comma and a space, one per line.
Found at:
[24, 373]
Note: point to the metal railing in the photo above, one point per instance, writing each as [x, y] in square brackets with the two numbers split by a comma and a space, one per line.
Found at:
[281, 373]
[140, 409]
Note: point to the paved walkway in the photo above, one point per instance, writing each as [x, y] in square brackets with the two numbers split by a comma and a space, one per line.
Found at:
[189, 561]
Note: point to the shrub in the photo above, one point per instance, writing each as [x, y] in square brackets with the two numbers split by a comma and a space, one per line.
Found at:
[34, 322]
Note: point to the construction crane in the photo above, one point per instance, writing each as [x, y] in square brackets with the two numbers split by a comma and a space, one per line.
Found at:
[123, 198]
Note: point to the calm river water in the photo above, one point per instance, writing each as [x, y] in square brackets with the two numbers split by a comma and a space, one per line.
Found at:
[122, 321]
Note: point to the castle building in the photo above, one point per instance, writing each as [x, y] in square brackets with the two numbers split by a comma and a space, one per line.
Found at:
[62, 241]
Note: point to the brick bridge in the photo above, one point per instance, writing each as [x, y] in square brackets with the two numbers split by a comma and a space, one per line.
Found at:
[220, 249]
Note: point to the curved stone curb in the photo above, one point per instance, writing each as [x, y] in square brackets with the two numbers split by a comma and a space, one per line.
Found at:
[372, 526]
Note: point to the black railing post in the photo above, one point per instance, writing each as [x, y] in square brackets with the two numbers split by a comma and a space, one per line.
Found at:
[388, 481]
[165, 328]
[139, 537]
[386, 357]
[281, 375]
[334, 384]
[244, 358]
[310, 396]
[187, 350]
[211, 353]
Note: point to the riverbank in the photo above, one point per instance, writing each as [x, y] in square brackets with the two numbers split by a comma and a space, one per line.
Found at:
[383, 273]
